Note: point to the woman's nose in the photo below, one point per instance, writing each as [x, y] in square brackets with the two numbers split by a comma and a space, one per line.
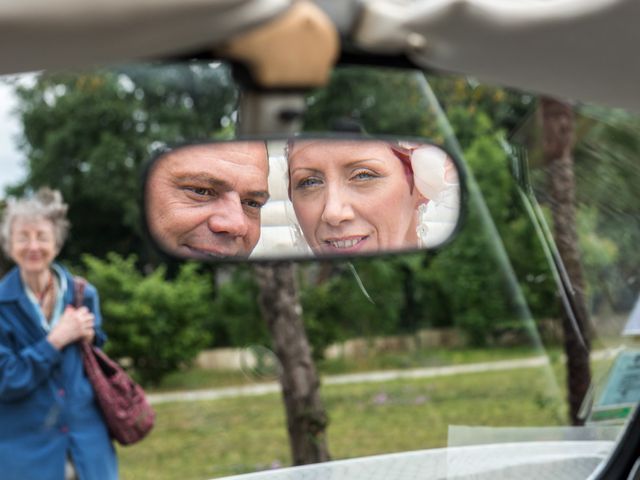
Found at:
[32, 243]
[228, 217]
[337, 206]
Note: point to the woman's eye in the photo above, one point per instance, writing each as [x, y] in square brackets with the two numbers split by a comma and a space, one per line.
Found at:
[308, 182]
[364, 175]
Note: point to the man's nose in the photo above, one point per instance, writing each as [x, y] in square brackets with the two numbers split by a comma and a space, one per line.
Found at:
[229, 217]
[337, 206]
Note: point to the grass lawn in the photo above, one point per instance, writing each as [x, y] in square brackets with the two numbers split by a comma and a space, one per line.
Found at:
[200, 440]
[194, 378]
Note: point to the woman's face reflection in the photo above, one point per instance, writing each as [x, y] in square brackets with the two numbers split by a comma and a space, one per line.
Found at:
[352, 196]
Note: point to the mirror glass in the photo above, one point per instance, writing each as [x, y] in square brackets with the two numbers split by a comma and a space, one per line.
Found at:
[301, 198]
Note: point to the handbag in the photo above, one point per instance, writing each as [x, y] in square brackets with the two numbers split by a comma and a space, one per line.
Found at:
[127, 413]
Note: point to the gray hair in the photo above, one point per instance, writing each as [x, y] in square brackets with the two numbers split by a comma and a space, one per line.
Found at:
[45, 203]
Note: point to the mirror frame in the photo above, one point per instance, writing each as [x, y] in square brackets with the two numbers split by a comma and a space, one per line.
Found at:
[165, 255]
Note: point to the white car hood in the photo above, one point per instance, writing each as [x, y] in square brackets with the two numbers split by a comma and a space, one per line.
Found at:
[571, 460]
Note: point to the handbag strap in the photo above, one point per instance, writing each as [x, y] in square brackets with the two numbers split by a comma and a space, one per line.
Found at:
[79, 285]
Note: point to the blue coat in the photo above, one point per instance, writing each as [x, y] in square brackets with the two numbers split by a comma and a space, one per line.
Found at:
[47, 405]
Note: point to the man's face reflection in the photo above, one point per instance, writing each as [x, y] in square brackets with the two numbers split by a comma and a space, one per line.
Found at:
[204, 200]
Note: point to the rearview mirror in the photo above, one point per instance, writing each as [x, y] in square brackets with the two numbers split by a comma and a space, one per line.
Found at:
[301, 198]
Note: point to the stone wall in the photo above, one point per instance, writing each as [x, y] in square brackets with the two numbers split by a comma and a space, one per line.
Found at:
[243, 358]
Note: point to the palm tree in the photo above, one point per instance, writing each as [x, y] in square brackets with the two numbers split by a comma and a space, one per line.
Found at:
[558, 139]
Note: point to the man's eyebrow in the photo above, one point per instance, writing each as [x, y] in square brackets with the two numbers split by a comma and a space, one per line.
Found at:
[202, 178]
[259, 194]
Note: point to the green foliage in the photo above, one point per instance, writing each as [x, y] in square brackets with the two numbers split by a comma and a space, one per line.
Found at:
[80, 138]
[472, 265]
[597, 252]
[381, 101]
[235, 315]
[159, 325]
[463, 285]
[476, 109]
[85, 132]
[335, 308]
[608, 200]
[469, 266]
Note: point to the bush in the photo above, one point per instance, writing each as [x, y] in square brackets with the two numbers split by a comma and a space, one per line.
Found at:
[157, 323]
[236, 318]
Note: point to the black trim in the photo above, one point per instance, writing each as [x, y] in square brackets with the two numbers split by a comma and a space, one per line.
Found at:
[168, 256]
[621, 462]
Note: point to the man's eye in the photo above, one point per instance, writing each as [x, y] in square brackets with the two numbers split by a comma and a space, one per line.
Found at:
[254, 204]
[200, 191]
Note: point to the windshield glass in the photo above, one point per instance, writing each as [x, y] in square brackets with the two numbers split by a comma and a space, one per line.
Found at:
[441, 360]
[596, 173]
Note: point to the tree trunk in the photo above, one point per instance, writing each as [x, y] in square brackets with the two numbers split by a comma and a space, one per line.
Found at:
[306, 416]
[558, 142]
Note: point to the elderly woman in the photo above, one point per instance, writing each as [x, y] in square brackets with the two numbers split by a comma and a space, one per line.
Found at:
[354, 196]
[50, 424]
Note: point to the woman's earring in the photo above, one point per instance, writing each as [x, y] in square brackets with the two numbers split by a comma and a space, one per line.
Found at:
[421, 228]
[298, 238]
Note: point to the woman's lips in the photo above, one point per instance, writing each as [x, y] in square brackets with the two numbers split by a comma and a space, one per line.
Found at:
[349, 244]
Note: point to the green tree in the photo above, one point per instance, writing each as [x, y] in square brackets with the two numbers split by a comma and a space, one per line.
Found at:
[159, 325]
[80, 137]
[235, 318]
[337, 309]
[466, 101]
[429, 289]
[380, 101]
[87, 131]
[607, 199]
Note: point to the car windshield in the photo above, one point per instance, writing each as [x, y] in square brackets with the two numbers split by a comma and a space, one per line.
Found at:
[443, 363]
[597, 180]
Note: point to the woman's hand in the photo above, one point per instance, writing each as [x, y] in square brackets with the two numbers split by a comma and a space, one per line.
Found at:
[75, 324]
